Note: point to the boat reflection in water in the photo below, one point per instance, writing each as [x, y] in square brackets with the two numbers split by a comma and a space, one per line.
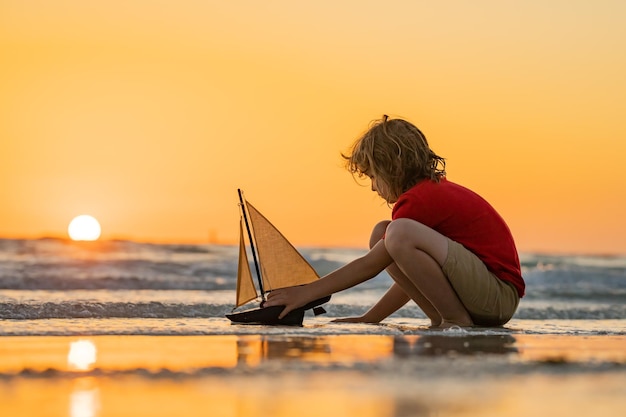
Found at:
[344, 350]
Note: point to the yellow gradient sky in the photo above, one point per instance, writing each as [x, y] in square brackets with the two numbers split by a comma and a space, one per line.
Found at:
[150, 114]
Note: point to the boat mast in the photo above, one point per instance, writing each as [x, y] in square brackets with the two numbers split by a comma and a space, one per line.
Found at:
[256, 262]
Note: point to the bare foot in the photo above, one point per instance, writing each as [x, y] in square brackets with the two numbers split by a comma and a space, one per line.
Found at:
[434, 325]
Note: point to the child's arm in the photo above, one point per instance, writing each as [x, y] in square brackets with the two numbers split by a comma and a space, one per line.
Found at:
[394, 299]
[349, 275]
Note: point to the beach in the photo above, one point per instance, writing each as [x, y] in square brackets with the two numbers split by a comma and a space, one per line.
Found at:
[412, 372]
[125, 328]
[129, 131]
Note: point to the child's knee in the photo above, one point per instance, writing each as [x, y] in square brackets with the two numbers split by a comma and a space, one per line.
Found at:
[378, 232]
[405, 233]
[397, 236]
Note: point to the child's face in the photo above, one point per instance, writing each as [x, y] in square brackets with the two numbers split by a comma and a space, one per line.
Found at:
[381, 188]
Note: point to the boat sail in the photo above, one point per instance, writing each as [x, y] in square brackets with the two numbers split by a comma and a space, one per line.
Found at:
[278, 265]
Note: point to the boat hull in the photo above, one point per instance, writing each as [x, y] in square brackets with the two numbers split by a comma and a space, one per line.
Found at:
[269, 315]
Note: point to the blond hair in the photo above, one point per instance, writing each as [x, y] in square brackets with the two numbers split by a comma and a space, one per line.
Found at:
[396, 152]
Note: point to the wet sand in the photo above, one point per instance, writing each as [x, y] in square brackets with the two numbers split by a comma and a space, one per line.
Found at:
[307, 375]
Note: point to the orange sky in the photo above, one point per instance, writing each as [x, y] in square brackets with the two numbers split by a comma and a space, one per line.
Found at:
[149, 115]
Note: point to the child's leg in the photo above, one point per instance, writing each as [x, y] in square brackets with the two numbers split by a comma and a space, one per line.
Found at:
[419, 253]
[410, 289]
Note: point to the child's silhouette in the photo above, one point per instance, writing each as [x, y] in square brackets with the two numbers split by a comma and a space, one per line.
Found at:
[446, 248]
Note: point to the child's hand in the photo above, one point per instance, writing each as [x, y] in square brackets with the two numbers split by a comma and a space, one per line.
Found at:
[348, 320]
[291, 298]
[360, 319]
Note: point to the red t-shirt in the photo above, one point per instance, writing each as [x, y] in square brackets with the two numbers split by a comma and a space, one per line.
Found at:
[465, 217]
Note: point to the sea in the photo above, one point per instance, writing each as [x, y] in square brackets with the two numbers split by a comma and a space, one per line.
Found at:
[53, 286]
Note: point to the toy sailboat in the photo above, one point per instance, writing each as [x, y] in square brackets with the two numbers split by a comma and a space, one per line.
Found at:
[278, 265]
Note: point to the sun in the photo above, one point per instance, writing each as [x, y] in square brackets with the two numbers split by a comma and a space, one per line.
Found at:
[84, 227]
[82, 354]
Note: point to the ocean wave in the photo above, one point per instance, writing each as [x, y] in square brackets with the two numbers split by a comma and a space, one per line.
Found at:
[313, 326]
[56, 278]
[611, 312]
[117, 282]
[108, 310]
[156, 309]
[400, 367]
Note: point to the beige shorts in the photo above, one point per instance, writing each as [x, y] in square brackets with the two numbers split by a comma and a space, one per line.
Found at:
[489, 300]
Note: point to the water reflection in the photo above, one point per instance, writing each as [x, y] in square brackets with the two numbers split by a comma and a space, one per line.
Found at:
[442, 345]
[356, 350]
[85, 398]
[252, 351]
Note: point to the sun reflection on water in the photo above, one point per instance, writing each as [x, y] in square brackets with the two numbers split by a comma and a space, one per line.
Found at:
[84, 400]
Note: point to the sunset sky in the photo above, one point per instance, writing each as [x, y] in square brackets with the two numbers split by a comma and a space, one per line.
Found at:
[148, 115]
